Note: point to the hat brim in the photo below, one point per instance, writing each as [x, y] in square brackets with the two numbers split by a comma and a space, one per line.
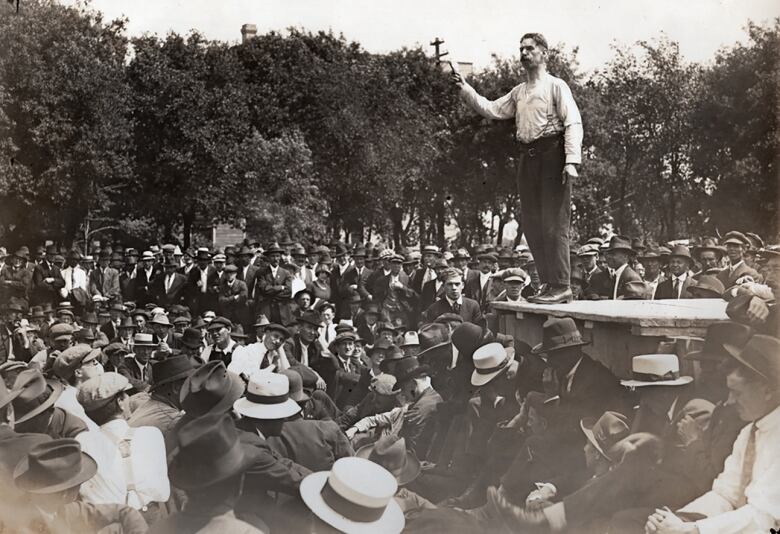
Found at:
[187, 478]
[701, 355]
[56, 391]
[178, 376]
[254, 410]
[539, 349]
[391, 522]
[736, 353]
[682, 381]
[410, 471]
[22, 481]
[587, 425]
[479, 379]
[431, 350]
[235, 390]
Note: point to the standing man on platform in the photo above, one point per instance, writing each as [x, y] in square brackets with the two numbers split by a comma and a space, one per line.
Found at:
[549, 131]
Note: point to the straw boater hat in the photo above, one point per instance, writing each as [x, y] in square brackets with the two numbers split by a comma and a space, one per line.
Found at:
[267, 397]
[656, 370]
[390, 452]
[355, 496]
[489, 361]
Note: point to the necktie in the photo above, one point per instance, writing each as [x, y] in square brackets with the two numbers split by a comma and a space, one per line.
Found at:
[676, 287]
[73, 279]
[747, 462]
[168, 282]
[456, 307]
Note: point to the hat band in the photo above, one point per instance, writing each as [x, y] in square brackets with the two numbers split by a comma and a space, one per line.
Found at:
[265, 399]
[349, 509]
[652, 377]
[562, 340]
[489, 370]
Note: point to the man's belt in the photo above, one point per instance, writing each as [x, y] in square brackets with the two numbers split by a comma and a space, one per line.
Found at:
[541, 145]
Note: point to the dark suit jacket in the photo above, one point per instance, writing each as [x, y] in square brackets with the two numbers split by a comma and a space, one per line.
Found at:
[419, 423]
[16, 283]
[406, 295]
[143, 285]
[469, 284]
[469, 311]
[417, 278]
[250, 280]
[104, 284]
[273, 295]
[429, 294]
[729, 279]
[43, 291]
[601, 284]
[232, 299]
[483, 295]
[340, 291]
[363, 278]
[312, 444]
[175, 295]
[665, 289]
[594, 390]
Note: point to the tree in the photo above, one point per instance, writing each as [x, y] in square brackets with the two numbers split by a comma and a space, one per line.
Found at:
[65, 145]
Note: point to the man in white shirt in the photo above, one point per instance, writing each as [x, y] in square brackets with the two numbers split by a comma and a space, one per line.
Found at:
[263, 354]
[141, 450]
[74, 275]
[745, 497]
[549, 131]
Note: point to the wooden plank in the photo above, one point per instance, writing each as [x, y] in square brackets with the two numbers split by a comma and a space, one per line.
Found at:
[684, 313]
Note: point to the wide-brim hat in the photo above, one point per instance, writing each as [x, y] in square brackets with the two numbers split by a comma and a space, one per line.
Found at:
[337, 510]
[258, 410]
[561, 333]
[407, 468]
[198, 440]
[52, 467]
[32, 385]
[621, 243]
[408, 368]
[482, 375]
[171, 369]
[646, 370]
[605, 432]
[760, 355]
[210, 389]
[681, 251]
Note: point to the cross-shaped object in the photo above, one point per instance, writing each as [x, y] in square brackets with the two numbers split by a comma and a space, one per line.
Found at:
[436, 43]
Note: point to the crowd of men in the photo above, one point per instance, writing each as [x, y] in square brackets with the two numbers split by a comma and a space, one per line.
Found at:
[293, 388]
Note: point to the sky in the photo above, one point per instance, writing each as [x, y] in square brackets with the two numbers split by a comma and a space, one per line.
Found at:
[472, 30]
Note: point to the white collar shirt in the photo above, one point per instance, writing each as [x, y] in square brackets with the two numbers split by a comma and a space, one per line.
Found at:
[617, 273]
[756, 507]
[144, 458]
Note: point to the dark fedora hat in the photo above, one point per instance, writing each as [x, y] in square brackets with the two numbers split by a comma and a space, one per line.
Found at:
[433, 336]
[620, 243]
[408, 368]
[210, 389]
[311, 317]
[211, 443]
[651, 252]
[340, 249]
[681, 251]
[192, 338]
[89, 318]
[54, 466]
[559, 333]
[467, 338]
[718, 335]
[127, 322]
[32, 387]
[171, 369]
[709, 244]
[390, 452]
[274, 248]
[706, 286]
[274, 327]
[759, 355]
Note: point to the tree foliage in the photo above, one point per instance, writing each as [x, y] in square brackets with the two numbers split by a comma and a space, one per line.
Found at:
[310, 135]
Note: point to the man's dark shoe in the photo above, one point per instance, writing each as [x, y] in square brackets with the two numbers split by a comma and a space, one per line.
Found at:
[543, 290]
[555, 295]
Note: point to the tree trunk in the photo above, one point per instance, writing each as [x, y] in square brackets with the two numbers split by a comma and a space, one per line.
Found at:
[440, 221]
[187, 219]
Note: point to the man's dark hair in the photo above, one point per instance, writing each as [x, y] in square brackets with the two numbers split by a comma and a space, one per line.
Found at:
[538, 39]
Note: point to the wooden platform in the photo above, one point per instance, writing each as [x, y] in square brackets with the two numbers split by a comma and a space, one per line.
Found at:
[618, 329]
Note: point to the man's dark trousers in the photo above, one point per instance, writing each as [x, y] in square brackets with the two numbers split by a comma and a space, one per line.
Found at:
[546, 207]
